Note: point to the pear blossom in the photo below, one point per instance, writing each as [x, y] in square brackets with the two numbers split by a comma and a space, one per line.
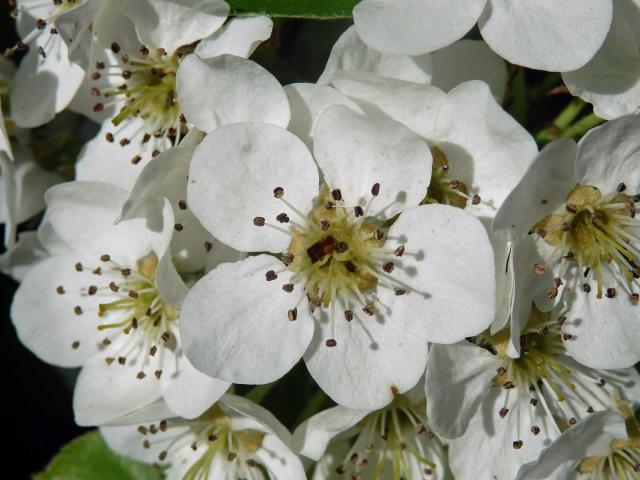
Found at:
[445, 68]
[541, 34]
[235, 438]
[392, 442]
[358, 298]
[578, 202]
[145, 82]
[100, 301]
[605, 445]
[610, 80]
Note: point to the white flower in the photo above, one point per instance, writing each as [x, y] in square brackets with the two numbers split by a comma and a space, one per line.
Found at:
[446, 68]
[602, 446]
[578, 202]
[360, 302]
[541, 34]
[233, 439]
[393, 442]
[144, 86]
[46, 80]
[611, 79]
[500, 411]
[100, 302]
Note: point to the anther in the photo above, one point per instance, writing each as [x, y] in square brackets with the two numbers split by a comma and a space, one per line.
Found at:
[115, 48]
[122, 360]
[621, 187]
[501, 371]
[508, 385]
[503, 412]
[586, 288]
[158, 374]
[77, 310]
[140, 375]
[454, 184]
[146, 444]
[399, 291]
[153, 350]
[336, 194]
[178, 227]
[162, 455]
[350, 266]
[552, 293]
[399, 251]
[571, 208]
[388, 267]
[375, 190]
[287, 258]
[533, 402]
[292, 314]
[78, 267]
[325, 224]
[125, 272]
[41, 24]
[212, 437]
[258, 221]
[98, 107]
[369, 310]
[133, 294]
[208, 246]
[348, 315]
[109, 137]
[358, 211]
[136, 159]
[231, 456]
[611, 292]
[60, 290]
[114, 287]
[561, 319]
[475, 200]
[567, 336]
[331, 343]
[270, 275]
[342, 247]
[517, 444]
[142, 430]
[182, 205]
[106, 342]
[75, 345]
[590, 409]
[105, 258]
[573, 421]
[283, 218]
[124, 142]
[535, 429]
[144, 51]
[278, 192]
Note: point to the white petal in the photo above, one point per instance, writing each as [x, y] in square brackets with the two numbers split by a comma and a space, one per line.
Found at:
[374, 356]
[608, 156]
[312, 437]
[610, 81]
[351, 53]
[188, 392]
[113, 25]
[423, 108]
[19, 259]
[591, 437]
[234, 323]
[469, 60]
[43, 87]
[486, 451]
[543, 35]
[171, 24]
[236, 406]
[448, 270]
[605, 332]
[231, 181]
[486, 148]
[541, 191]
[279, 460]
[228, 89]
[117, 161]
[414, 26]
[46, 321]
[5, 143]
[457, 380]
[76, 30]
[355, 152]
[82, 215]
[308, 101]
[240, 36]
[104, 393]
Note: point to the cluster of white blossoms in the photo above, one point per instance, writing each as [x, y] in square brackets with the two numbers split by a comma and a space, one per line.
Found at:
[469, 304]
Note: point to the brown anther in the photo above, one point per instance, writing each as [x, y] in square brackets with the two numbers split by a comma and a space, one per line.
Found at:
[375, 189]
[621, 187]
[561, 319]
[133, 294]
[231, 456]
[535, 429]
[602, 382]
[105, 258]
[158, 374]
[369, 310]
[567, 336]
[590, 410]
[634, 297]
[126, 74]
[573, 421]
[208, 246]
[41, 24]
[288, 287]
[97, 271]
[115, 48]
[399, 251]
[252, 463]
[552, 293]
[336, 194]
[388, 267]
[283, 218]
[96, 76]
[419, 428]
[565, 227]
[517, 444]
[558, 282]
[94, 92]
[166, 336]
[340, 469]
[153, 350]
[270, 275]
[122, 360]
[292, 314]
[329, 205]
[162, 455]
[399, 291]
[144, 50]
[77, 310]
[75, 345]
[348, 315]
[501, 371]
[503, 412]
[358, 211]
[153, 429]
[508, 385]
[324, 225]
[342, 247]
[258, 221]
[60, 290]
[106, 342]
[109, 137]
[571, 208]
[611, 292]
[533, 402]
[287, 258]
[394, 390]
[543, 331]
[350, 266]
[146, 137]
[136, 159]
[140, 375]
[379, 234]
[142, 430]
[124, 142]
[53, 31]
[109, 360]
[331, 343]
[114, 287]
[78, 267]
[146, 444]
[278, 192]
[475, 200]
[541, 232]
[179, 227]
[212, 437]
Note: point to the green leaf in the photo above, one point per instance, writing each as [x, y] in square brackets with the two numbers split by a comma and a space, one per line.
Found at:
[89, 458]
[317, 9]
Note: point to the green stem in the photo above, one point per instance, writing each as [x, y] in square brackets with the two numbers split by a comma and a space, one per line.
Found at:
[258, 393]
[582, 126]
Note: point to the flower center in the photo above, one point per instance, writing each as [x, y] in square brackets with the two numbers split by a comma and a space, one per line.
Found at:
[443, 189]
[149, 89]
[392, 442]
[593, 231]
[210, 438]
[622, 462]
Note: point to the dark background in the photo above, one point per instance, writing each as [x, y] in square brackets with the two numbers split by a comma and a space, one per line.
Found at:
[35, 398]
